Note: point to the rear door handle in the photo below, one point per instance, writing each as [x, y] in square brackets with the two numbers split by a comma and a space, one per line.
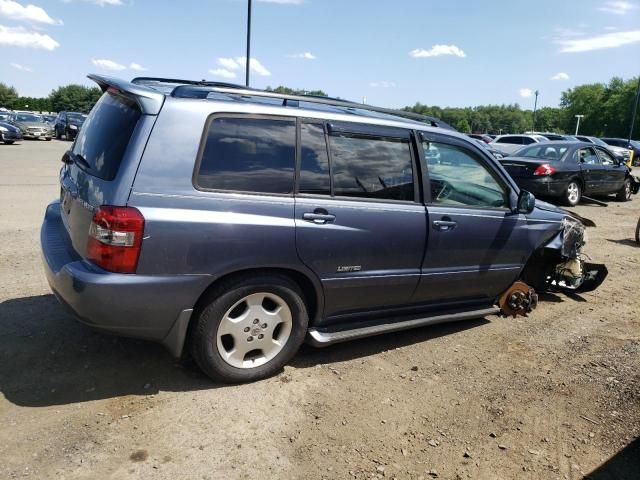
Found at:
[444, 225]
[319, 218]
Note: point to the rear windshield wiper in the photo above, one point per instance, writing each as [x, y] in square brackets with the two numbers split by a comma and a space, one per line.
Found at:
[81, 161]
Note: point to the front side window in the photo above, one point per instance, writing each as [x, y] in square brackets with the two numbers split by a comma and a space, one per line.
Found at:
[314, 162]
[372, 167]
[249, 155]
[528, 141]
[458, 178]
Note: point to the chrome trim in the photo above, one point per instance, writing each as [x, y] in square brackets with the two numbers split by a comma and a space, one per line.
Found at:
[323, 339]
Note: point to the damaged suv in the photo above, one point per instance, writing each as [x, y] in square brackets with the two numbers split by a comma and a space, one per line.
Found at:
[232, 224]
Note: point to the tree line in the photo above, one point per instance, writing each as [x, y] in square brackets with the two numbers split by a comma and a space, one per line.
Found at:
[607, 109]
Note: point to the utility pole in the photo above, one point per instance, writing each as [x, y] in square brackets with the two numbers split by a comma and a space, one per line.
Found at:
[578, 123]
[635, 110]
[535, 107]
[248, 42]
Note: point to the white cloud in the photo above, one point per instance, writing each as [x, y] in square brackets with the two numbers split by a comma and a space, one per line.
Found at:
[438, 50]
[617, 7]
[101, 3]
[20, 37]
[106, 64]
[560, 76]
[28, 13]
[17, 66]
[382, 84]
[525, 92]
[137, 67]
[304, 55]
[599, 42]
[239, 63]
[283, 2]
[222, 72]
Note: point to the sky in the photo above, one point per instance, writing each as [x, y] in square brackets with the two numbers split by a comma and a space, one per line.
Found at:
[391, 53]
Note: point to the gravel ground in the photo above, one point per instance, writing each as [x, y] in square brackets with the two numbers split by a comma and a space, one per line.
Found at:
[555, 395]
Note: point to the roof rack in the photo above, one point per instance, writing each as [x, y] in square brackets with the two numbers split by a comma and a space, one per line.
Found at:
[292, 100]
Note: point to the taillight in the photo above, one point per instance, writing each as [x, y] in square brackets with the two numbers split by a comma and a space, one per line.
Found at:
[115, 238]
[544, 169]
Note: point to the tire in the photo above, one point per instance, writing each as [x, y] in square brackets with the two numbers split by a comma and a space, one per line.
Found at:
[573, 193]
[276, 335]
[8, 142]
[58, 134]
[48, 139]
[624, 194]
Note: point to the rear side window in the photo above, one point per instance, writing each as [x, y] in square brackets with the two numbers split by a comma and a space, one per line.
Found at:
[249, 155]
[372, 167]
[105, 135]
[512, 140]
[314, 163]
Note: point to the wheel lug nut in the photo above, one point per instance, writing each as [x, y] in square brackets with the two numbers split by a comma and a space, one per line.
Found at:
[246, 329]
[249, 339]
[256, 321]
[264, 325]
[260, 337]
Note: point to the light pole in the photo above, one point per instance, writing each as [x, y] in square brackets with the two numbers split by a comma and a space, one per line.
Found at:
[248, 42]
[578, 123]
[635, 110]
[535, 107]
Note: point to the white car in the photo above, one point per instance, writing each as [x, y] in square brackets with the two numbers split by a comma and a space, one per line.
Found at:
[508, 144]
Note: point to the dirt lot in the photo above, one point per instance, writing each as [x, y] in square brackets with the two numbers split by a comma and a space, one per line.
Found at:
[555, 395]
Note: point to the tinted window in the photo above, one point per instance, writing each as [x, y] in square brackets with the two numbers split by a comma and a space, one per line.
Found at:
[545, 151]
[527, 141]
[372, 167]
[105, 135]
[249, 155]
[314, 163]
[457, 177]
[512, 140]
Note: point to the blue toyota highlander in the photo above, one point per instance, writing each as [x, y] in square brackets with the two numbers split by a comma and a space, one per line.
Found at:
[232, 224]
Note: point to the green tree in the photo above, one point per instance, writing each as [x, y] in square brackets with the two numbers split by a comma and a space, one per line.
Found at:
[296, 91]
[8, 96]
[77, 98]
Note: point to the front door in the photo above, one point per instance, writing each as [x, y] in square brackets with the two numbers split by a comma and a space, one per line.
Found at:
[593, 172]
[359, 223]
[476, 246]
[615, 172]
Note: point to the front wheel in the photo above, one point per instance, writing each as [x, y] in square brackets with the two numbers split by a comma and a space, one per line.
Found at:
[249, 329]
[624, 194]
[573, 193]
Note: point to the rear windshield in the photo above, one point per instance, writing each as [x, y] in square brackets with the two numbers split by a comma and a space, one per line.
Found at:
[547, 152]
[105, 135]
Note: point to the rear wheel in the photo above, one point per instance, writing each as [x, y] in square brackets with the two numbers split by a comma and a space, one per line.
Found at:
[624, 194]
[249, 329]
[573, 193]
[8, 142]
[58, 134]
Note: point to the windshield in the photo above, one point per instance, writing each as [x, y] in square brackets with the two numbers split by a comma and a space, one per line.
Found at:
[597, 141]
[79, 117]
[28, 117]
[635, 143]
[547, 152]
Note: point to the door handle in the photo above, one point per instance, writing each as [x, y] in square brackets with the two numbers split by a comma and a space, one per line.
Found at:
[320, 216]
[444, 225]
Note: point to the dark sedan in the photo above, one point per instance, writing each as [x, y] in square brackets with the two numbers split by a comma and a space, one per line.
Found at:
[9, 133]
[567, 170]
[68, 124]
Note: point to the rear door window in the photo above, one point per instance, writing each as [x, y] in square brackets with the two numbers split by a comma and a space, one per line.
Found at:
[254, 155]
[588, 156]
[372, 167]
[106, 132]
[605, 157]
[511, 140]
[314, 161]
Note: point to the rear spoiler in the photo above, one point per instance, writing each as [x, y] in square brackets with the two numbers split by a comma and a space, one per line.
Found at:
[149, 100]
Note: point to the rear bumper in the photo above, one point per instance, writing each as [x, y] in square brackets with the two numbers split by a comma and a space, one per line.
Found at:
[152, 307]
[543, 186]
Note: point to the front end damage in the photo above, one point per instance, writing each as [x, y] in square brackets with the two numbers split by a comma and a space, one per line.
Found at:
[559, 265]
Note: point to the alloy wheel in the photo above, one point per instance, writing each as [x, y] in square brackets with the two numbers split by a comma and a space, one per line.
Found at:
[573, 192]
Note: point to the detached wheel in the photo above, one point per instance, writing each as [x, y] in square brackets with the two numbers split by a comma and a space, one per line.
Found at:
[249, 329]
[573, 193]
[624, 194]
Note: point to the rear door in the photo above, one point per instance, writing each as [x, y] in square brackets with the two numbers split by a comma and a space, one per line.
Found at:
[359, 223]
[476, 245]
[99, 170]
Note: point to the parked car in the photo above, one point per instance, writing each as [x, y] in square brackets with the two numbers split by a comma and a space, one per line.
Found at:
[507, 144]
[4, 116]
[555, 137]
[49, 119]
[68, 124]
[31, 125]
[633, 146]
[270, 219]
[621, 153]
[480, 136]
[489, 149]
[568, 170]
[9, 134]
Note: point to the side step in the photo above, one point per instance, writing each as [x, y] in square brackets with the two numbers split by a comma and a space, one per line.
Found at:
[319, 338]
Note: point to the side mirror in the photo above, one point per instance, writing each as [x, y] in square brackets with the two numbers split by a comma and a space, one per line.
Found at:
[526, 202]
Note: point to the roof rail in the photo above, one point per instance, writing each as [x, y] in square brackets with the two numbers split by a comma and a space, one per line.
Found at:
[203, 83]
[335, 102]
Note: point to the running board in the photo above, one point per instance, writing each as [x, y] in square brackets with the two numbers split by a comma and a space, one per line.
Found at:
[319, 338]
